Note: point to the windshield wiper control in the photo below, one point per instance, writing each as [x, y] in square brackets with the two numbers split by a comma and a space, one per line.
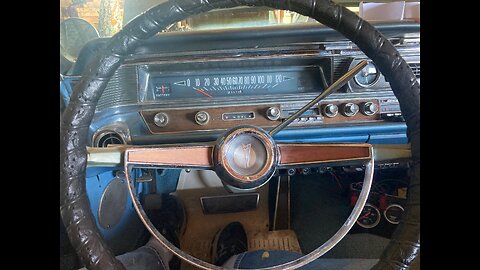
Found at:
[331, 89]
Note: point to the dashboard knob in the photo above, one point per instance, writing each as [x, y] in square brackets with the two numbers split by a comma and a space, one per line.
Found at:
[350, 109]
[160, 119]
[369, 108]
[273, 113]
[202, 118]
[330, 110]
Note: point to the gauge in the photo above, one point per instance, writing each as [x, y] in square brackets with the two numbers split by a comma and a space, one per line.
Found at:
[368, 76]
[369, 217]
[162, 90]
[230, 84]
[393, 213]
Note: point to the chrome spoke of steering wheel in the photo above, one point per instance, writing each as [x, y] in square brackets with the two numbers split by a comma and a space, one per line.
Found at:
[112, 156]
[185, 156]
[313, 154]
[332, 88]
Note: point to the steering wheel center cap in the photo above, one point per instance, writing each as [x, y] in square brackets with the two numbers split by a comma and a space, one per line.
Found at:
[245, 157]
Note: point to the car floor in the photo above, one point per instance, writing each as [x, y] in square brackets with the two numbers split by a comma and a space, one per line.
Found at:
[319, 208]
[201, 228]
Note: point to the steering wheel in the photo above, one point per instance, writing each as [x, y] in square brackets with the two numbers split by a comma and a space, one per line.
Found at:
[231, 155]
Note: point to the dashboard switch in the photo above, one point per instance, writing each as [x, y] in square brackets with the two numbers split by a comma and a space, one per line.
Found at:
[369, 108]
[330, 110]
[202, 118]
[350, 109]
[160, 119]
[273, 113]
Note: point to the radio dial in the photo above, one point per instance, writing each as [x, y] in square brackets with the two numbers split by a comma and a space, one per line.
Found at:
[350, 109]
[370, 108]
[330, 110]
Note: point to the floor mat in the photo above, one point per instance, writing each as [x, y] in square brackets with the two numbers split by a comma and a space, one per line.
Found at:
[201, 228]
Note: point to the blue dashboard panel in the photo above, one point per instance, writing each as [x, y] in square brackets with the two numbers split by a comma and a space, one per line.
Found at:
[393, 138]
[394, 133]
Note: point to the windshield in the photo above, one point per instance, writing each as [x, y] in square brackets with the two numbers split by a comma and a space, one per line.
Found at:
[109, 16]
[85, 20]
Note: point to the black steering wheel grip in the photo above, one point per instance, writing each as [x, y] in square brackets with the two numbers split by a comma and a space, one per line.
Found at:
[74, 204]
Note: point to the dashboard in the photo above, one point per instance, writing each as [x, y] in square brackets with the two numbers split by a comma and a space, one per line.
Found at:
[192, 86]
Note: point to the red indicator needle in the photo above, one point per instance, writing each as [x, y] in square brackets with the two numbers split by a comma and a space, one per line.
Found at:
[203, 92]
[364, 216]
[163, 89]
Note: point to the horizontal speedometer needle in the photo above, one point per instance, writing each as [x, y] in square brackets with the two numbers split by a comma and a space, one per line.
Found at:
[203, 92]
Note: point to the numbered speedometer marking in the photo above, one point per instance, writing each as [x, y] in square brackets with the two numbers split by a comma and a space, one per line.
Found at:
[226, 83]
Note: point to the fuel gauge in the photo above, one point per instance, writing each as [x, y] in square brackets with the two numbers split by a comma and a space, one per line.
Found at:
[369, 217]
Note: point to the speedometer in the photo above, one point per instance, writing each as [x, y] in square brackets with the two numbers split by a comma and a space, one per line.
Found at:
[225, 83]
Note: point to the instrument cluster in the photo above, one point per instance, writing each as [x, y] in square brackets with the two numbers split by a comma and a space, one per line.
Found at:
[157, 86]
[173, 90]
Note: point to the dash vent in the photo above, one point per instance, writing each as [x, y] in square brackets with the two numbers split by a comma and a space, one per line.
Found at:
[340, 67]
[107, 138]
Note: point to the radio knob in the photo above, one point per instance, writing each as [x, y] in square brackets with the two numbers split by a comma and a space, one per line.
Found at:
[369, 108]
[202, 118]
[350, 109]
[273, 113]
[330, 110]
[160, 119]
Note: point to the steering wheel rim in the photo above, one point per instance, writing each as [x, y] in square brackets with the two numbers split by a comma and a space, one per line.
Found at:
[147, 156]
[74, 204]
